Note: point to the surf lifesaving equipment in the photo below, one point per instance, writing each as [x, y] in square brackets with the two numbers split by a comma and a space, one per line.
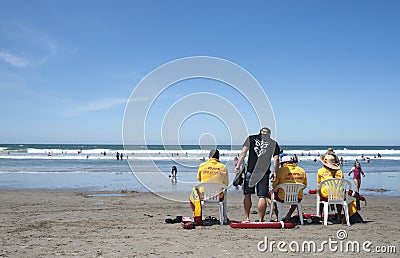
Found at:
[279, 224]
[195, 205]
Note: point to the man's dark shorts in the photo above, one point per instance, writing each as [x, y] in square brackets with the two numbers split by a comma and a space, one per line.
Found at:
[262, 186]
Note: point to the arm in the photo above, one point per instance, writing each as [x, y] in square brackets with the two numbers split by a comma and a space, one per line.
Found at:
[351, 171]
[275, 181]
[199, 174]
[276, 167]
[226, 177]
[242, 155]
[276, 163]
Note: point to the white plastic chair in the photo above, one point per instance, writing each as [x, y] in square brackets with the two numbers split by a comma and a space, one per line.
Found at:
[212, 196]
[291, 197]
[336, 188]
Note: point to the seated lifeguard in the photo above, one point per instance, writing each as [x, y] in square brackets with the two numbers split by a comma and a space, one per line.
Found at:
[331, 169]
[289, 172]
[211, 171]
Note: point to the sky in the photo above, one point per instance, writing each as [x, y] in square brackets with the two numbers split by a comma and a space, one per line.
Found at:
[330, 69]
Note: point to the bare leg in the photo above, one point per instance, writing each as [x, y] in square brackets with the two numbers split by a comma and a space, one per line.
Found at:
[290, 212]
[247, 206]
[358, 184]
[339, 208]
[262, 206]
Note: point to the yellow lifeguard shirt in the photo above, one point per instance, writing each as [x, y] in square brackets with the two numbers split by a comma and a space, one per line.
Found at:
[323, 174]
[290, 174]
[213, 171]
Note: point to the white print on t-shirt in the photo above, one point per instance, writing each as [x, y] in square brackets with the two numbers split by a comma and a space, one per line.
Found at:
[260, 147]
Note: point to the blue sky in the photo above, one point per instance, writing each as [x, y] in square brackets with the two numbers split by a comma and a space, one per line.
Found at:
[331, 69]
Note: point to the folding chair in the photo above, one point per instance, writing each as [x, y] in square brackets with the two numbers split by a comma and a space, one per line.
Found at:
[291, 191]
[211, 195]
[336, 188]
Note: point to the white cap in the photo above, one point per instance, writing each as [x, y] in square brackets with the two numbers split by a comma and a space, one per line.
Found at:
[286, 158]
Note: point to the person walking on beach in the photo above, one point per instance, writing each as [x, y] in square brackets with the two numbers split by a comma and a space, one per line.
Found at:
[331, 169]
[357, 172]
[174, 171]
[295, 159]
[257, 146]
[289, 172]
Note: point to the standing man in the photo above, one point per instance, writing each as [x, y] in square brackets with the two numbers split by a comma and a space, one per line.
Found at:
[261, 149]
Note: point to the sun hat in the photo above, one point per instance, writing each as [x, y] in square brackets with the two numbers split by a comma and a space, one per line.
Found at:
[329, 161]
[330, 151]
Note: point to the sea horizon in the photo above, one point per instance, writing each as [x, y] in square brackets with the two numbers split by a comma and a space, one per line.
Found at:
[147, 167]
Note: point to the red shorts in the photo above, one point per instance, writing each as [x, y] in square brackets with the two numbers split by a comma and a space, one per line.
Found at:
[323, 199]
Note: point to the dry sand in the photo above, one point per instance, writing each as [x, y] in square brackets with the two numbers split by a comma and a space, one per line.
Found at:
[65, 224]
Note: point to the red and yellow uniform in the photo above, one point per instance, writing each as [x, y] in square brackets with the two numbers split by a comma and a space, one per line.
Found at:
[323, 174]
[210, 171]
[290, 173]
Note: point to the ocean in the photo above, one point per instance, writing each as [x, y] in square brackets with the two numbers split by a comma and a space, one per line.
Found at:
[90, 167]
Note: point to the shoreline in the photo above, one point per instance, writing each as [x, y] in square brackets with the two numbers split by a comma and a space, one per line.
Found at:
[50, 223]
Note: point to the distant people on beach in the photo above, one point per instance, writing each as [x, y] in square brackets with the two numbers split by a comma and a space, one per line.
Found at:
[357, 172]
[117, 155]
[295, 159]
[257, 145]
[174, 171]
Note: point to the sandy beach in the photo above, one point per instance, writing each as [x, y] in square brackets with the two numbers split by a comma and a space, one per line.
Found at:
[65, 223]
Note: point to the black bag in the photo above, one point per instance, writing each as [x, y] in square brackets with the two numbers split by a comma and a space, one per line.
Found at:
[238, 180]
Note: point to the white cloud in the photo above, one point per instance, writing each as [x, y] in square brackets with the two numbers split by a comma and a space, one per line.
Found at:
[105, 103]
[14, 60]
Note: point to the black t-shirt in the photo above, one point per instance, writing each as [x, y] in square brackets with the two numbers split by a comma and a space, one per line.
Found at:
[258, 146]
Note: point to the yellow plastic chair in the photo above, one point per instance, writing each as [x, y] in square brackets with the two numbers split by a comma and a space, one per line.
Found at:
[291, 191]
[212, 195]
[336, 188]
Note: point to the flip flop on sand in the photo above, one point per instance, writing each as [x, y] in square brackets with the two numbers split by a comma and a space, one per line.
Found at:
[177, 219]
[246, 221]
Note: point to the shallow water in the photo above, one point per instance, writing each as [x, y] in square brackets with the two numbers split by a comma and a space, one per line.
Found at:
[30, 167]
